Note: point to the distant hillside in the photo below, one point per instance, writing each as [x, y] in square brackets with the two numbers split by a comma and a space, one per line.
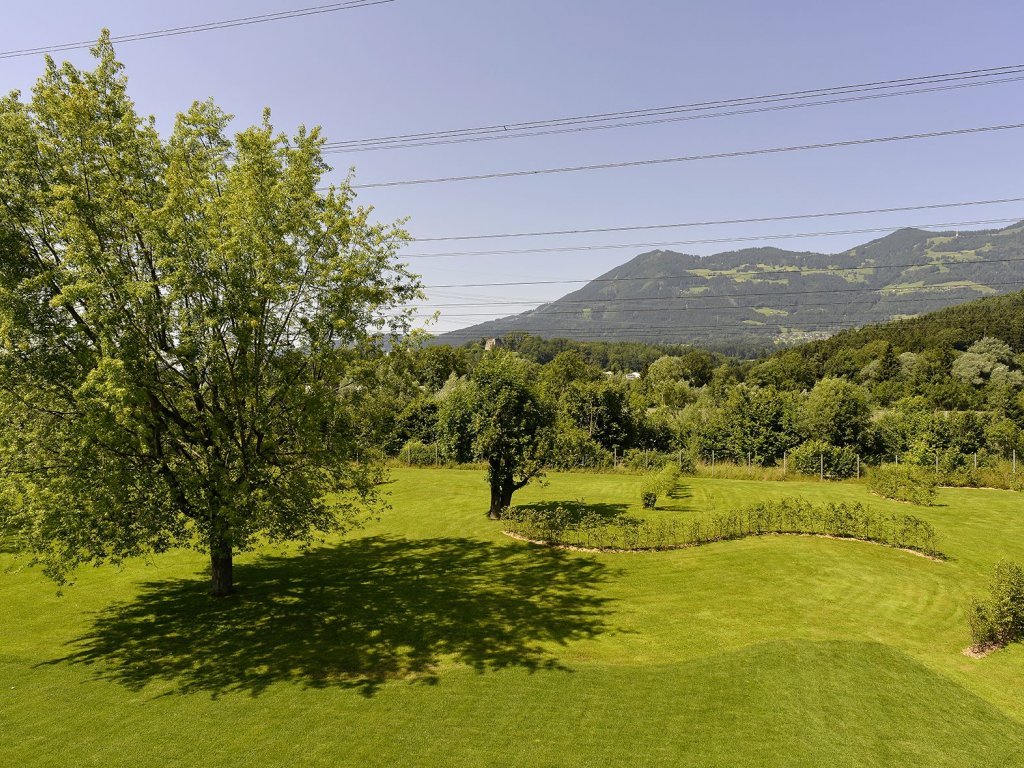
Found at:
[953, 328]
[760, 297]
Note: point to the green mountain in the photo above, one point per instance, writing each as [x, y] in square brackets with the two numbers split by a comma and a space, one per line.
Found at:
[760, 297]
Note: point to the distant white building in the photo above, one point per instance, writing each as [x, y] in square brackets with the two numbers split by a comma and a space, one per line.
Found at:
[631, 376]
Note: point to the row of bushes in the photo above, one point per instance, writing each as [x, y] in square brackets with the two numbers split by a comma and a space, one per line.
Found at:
[813, 458]
[999, 619]
[660, 484]
[798, 516]
[902, 482]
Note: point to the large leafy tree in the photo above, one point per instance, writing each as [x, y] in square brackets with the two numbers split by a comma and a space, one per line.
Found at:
[838, 412]
[501, 417]
[184, 329]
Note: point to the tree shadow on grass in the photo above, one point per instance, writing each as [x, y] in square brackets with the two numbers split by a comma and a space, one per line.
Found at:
[579, 510]
[352, 616]
[677, 499]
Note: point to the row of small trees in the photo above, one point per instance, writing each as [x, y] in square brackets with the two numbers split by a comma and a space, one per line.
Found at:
[563, 527]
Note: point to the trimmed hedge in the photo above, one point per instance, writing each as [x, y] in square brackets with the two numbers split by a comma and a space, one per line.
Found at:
[901, 482]
[999, 619]
[796, 516]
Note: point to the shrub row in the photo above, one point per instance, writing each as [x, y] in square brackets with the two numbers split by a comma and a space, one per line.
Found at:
[822, 459]
[797, 516]
[999, 619]
[904, 483]
[660, 484]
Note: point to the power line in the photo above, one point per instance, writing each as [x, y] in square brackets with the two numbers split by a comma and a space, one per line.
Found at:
[781, 271]
[690, 158]
[329, 149]
[243, 21]
[574, 123]
[710, 241]
[726, 307]
[716, 222]
[700, 297]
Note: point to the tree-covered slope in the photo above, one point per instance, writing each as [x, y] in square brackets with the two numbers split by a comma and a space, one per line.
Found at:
[764, 296]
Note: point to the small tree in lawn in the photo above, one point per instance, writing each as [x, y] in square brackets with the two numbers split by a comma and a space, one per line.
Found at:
[187, 329]
[509, 423]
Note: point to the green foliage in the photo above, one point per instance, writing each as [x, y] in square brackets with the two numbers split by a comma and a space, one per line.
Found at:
[903, 483]
[573, 448]
[415, 453]
[785, 516]
[999, 619]
[819, 458]
[837, 412]
[662, 483]
[602, 409]
[500, 417]
[190, 331]
[454, 421]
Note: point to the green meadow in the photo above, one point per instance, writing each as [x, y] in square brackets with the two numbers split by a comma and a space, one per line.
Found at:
[428, 638]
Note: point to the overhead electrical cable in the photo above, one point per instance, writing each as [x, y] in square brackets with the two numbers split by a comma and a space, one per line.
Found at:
[701, 297]
[690, 158]
[242, 21]
[720, 308]
[716, 222]
[708, 241]
[780, 271]
[601, 120]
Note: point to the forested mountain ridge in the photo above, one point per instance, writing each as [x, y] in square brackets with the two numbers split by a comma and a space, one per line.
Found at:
[758, 297]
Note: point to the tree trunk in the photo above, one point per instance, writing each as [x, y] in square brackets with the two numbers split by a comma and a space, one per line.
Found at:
[494, 513]
[501, 497]
[221, 566]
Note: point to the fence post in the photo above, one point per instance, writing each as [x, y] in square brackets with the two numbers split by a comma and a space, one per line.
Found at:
[785, 460]
[821, 462]
[858, 466]
[975, 459]
[712, 463]
[1015, 461]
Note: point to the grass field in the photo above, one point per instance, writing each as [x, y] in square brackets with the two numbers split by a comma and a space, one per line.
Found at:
[430, 639]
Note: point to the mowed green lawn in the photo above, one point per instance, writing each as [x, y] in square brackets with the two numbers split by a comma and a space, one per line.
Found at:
[429, 639]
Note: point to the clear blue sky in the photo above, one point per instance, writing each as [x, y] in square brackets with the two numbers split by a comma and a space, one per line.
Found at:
[415, 65]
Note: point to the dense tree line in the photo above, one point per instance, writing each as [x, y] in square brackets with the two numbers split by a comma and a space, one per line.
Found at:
[944, 391]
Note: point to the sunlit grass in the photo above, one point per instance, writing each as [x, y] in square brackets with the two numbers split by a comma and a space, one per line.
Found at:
[429, 638]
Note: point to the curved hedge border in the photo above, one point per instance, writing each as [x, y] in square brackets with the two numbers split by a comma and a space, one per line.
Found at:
[562, 527]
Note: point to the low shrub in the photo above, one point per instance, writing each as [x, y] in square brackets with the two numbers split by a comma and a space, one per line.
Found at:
[990, 473]
[999, 619]
[417, 454]
[817, 457]
[729, 470]
[796, 516]
[638, 459]
[648, 496]
[901, 482]
[661, 484]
